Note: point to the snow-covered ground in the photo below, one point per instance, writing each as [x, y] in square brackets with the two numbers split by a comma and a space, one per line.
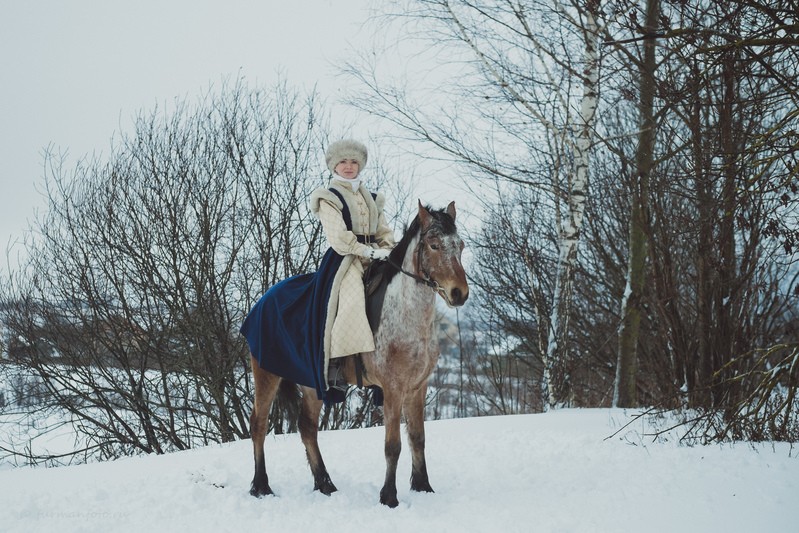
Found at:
[552, 472]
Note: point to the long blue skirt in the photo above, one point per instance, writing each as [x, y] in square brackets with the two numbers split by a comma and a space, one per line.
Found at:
[286, 328]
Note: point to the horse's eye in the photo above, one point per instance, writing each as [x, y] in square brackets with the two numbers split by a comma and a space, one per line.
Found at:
[434, 246]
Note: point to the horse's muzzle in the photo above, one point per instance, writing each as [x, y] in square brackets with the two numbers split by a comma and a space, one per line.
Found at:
[457, 297]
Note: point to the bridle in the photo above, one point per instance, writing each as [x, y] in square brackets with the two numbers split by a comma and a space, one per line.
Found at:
[427, 279]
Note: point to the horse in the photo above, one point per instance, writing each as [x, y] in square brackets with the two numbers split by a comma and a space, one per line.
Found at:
[406, 352]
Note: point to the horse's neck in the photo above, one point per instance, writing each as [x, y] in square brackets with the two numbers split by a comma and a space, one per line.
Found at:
[410, 294]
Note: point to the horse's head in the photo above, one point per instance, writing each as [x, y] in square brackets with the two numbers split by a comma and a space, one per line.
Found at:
[438, 254]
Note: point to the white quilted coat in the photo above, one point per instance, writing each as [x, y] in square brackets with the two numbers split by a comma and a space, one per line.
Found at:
[347, 330]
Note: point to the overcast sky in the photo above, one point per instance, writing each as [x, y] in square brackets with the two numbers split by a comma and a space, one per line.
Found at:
[74, 72]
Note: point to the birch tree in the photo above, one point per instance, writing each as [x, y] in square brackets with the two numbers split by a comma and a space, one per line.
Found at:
[520, 112]
[555, 388]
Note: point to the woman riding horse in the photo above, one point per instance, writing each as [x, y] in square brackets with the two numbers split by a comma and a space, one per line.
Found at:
[302, 321]
[405, 350]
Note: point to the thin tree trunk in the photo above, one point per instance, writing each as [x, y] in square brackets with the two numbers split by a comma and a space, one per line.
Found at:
[726, 294]
[699, 368]
[624, 394]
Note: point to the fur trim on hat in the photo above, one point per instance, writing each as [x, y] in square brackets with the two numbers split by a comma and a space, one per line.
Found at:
[346, 149]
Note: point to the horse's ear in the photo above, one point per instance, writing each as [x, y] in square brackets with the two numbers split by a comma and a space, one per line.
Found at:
[424, 216]
[451, 209]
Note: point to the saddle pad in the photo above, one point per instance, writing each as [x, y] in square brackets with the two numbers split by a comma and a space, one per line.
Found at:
[375, 283]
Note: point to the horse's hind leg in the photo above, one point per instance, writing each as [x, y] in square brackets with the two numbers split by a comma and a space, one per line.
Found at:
[266, 385]
[414, 418]
[309, 432]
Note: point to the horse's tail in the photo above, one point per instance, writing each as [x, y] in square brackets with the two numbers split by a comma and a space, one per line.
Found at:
[286, 409]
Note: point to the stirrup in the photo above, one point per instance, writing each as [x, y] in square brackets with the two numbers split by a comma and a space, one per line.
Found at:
[335, 378]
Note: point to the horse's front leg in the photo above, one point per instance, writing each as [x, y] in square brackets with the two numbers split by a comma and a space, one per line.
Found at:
[392, 409]
[414, 419]
[309, 432]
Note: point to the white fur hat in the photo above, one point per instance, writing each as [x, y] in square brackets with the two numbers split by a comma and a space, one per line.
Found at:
[346, 149]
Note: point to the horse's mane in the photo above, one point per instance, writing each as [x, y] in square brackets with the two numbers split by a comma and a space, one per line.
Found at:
[440, 217]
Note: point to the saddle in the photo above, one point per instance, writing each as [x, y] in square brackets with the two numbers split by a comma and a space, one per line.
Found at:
[374, 284]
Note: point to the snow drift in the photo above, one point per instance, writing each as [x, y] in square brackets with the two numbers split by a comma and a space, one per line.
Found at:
[546, 472]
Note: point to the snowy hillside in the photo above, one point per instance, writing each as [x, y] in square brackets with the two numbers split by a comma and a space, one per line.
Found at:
[547, 472]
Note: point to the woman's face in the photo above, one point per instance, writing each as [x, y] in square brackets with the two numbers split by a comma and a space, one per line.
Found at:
[348, 168]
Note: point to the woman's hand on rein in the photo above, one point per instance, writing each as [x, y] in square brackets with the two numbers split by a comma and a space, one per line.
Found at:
[379, 254]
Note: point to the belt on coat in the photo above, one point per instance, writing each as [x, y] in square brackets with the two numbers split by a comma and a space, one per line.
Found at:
[365, 239]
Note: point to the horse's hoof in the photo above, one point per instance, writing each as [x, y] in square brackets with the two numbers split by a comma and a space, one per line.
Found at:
[323, 484]
[326, 488]
[389, 498]
[421, 487]
[260, 491]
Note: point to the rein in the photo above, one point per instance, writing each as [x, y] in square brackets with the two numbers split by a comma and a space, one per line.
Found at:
[419, 279]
